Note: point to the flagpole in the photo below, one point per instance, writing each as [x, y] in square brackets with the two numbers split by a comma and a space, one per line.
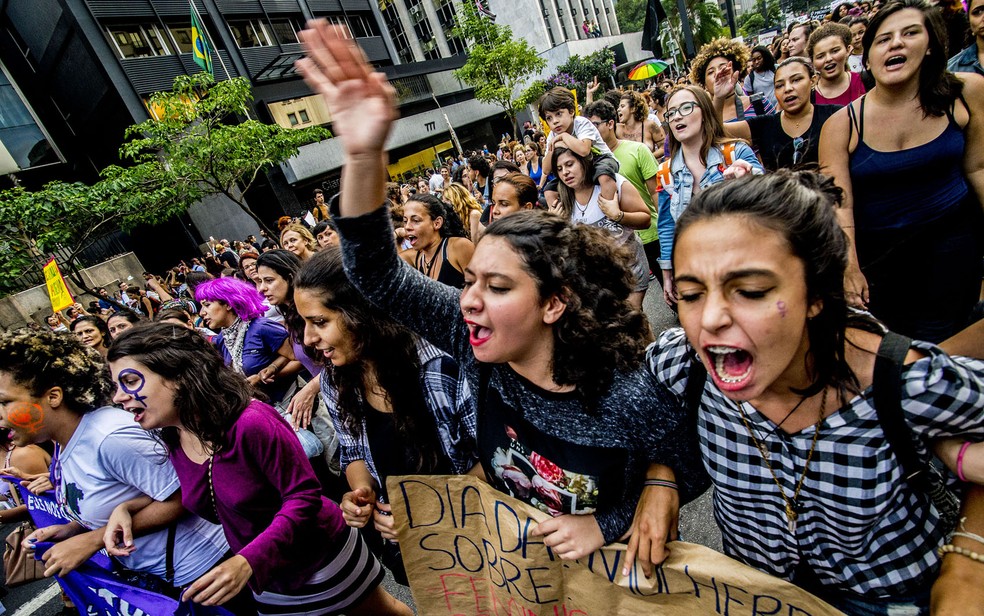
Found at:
[205, 31]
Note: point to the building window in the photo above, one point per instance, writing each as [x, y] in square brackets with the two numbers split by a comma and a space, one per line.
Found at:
[293, 118]
[546, 22]
[304, 116]
[285, 31]
[181, 35]
[250, 33]
[446, 15]
[395, 28]
[362, 26]
[422, 28]
[23, 142]
[138, 41]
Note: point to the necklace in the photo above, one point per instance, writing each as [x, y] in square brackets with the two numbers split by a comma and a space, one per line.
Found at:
[791, 503]
[779, 425]
[429, 265]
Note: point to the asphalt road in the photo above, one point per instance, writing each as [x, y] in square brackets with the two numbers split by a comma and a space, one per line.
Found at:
[697, 523]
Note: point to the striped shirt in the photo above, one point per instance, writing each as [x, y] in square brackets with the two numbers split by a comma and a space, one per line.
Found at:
[448, 398]
[860, 528]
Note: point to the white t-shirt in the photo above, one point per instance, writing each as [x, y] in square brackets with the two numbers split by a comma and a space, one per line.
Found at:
[436, 183]
[855, 63]
[584, 129]
[591, 214]
[110, 460]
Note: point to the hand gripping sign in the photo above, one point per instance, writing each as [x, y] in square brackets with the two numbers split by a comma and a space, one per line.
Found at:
[468, 551]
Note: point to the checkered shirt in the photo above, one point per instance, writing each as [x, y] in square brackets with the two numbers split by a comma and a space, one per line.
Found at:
[446, 395]
[860, 527]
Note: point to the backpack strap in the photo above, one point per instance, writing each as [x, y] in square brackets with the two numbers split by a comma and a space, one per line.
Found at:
[696, 378]
[663, 175]
[887, 398]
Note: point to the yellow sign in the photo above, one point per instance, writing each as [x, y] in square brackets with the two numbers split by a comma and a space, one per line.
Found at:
[61, 297]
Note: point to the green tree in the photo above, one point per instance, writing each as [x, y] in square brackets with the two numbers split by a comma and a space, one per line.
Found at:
[706, 22]
[631, 14]
[497, 64]
[600, 64]
[201, 152]
[765, 14]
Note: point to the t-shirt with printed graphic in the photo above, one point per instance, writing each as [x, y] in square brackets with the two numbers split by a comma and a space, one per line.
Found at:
[110, 460]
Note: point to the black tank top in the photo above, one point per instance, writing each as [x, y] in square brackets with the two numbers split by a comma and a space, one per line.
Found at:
[448, 274]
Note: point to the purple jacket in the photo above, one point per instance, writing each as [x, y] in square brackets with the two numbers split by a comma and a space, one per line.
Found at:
[267, 500]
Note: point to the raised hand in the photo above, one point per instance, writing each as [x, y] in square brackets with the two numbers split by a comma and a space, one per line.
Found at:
[724, 82]
[362, 103]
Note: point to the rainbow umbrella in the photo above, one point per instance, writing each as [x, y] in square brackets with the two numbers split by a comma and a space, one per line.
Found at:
[648, 69]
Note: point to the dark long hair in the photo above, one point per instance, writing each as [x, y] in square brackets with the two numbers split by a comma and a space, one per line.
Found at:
[385, 345]
[209, 396]
[599, 331]
[938, 87]
[286, 265]
[95, 322]
[800, 205]
[567, 194]
[452, 227]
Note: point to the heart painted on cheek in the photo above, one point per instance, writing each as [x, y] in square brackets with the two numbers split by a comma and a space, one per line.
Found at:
[25, 416]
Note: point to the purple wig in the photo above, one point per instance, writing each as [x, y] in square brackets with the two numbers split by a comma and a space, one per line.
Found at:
[244, 300]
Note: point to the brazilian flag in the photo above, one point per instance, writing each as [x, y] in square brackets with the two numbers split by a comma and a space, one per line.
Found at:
[200, 47]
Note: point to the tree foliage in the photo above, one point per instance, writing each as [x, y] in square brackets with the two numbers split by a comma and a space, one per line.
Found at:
[200, 151]
[497, 64]
[600, 64]
[194, 150]
[765, 14]
[631, 15]
[706, 22]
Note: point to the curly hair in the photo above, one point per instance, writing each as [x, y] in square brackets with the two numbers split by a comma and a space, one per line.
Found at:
[725, 48]
[637, 103]
[309, 240]
[40, 360]
[801, 206]
[830, 29]
[209, 396]
[385, 345]
[244, 300]
[599, 332]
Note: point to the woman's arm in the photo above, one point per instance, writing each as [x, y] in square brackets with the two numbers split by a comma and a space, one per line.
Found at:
[974, 132]
[834, 153]
[475, 224]
[724, 86]
[630, 210]
[363, 106]
[960, 585]
[358, 504]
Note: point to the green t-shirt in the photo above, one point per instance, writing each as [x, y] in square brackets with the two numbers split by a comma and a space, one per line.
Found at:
[638, 164]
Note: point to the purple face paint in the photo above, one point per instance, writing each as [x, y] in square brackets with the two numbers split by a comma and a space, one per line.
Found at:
[133, 390]
[781, 305]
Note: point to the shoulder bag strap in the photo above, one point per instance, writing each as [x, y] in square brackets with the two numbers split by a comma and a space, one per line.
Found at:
[696, 378]
[887, 398]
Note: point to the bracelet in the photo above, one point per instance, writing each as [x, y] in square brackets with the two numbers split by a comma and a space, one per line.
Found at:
[954, 549]
[963, 532]
[621, 215]
[660, 483]
[960, 457]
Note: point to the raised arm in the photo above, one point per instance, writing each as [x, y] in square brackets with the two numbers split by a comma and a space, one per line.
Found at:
[724, 85]
[363, 108]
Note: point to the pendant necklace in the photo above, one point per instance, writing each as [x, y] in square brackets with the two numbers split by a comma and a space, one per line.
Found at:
[791, 503]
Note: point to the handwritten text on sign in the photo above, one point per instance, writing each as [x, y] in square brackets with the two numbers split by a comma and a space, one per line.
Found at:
[468, 551]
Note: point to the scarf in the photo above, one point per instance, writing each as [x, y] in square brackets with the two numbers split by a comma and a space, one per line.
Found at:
[234, 337]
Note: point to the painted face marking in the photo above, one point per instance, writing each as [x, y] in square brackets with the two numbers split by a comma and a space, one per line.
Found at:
[25, 416]
[781, 305]
[134, 390]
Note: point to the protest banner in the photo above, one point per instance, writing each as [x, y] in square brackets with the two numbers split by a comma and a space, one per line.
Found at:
[468, 551]
[61, 298]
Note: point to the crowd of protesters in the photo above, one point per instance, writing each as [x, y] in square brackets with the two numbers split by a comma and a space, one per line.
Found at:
[811, 212]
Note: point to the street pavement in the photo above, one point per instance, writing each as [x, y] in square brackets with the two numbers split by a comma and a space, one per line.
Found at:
[696, 521]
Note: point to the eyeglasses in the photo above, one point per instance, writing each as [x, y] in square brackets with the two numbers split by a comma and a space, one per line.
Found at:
[799, 147]
[683, 111]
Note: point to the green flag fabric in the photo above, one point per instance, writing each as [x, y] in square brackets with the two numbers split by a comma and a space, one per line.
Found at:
[200, 48]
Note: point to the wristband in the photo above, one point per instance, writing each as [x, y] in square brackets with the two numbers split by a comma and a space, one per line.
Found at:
[660, 483]
[621, 215]
[960, 458]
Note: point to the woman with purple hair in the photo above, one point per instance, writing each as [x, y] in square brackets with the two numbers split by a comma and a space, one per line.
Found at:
[250, 343]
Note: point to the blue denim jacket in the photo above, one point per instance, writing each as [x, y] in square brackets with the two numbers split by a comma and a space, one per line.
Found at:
[966, 61]
[674, 199]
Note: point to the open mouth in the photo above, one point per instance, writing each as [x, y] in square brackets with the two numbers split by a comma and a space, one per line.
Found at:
[328, 352]
[679, 127]
[789, 100]
[830, 67]
[478, 334]
[731, 365]
[895, 61]
[412, 239]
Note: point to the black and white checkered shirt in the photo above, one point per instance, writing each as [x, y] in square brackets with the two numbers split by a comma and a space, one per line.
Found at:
[860, 527]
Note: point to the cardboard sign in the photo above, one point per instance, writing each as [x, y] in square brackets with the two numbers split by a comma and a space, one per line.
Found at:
[468, 551]
[61, 297]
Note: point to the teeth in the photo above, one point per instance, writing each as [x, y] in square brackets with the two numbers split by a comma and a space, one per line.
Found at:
[721, 350]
